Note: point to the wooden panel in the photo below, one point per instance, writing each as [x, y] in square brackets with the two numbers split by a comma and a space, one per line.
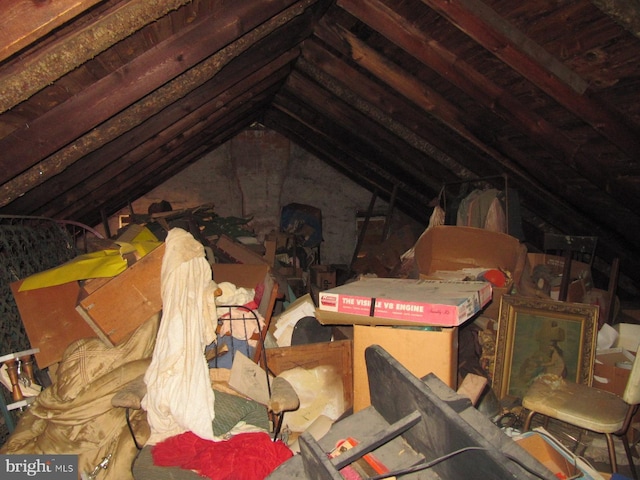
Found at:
[24, 21]
[121, 305]
[50, 319]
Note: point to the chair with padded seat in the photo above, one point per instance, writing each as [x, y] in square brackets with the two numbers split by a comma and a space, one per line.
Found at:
[588, 408]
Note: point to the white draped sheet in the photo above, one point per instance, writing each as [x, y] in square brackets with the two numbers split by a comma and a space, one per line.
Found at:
[179, 395]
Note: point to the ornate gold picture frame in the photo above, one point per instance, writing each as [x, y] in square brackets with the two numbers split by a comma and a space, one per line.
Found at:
[538, 336]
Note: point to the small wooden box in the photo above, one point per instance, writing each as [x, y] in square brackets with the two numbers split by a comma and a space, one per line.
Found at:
[338, 354]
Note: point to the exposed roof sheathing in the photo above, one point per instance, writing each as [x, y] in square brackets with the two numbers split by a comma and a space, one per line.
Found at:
[101, 101]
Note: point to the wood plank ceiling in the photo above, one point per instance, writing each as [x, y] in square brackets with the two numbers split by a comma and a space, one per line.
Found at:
[101, 101]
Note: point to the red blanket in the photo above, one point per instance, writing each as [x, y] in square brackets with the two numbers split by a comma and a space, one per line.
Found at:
[247, 456]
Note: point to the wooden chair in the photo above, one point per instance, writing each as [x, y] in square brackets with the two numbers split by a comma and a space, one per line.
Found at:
[583, 249]
[571, 247]
[588, 408]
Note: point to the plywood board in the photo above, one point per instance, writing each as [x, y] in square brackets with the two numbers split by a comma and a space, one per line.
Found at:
[50, 319]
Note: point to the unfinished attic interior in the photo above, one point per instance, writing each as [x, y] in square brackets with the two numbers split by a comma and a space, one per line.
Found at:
[284, 152]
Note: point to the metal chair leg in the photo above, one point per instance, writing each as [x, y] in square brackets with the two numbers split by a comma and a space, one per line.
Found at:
[278, 426]
[627, 449]
[612, 453]
[127, 416]
[527, 422]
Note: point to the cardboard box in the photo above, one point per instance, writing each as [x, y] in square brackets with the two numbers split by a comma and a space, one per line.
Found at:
[241, 275]
[540, 448]
[238, 252]
[323, 276]
[337, 354]
[407, 301]
[421, 350]
[448, 248]
[451, 248]
[248, 276]
[611, 369]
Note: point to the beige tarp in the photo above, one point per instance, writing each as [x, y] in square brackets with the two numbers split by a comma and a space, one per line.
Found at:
[74, 415]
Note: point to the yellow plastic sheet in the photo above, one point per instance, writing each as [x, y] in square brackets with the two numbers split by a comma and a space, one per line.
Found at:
[104, 263]
[100, 264]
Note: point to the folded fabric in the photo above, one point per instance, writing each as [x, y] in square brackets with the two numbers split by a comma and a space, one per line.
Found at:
[247, 456]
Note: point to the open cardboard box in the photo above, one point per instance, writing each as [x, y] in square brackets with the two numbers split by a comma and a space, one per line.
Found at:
[247, 276]
[611, 369]
[337, 355]
[452, 248]
[548, 455]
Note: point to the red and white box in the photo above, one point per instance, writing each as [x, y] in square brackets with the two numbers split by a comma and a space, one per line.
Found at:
[409, 301]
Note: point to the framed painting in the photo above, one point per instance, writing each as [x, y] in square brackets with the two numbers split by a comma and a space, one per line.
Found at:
[543, 336]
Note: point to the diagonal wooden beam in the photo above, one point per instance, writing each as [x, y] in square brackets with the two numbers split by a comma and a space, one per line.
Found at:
[508, 43]
[400, 81]
[25, 77]
[429, 127]
[482, 89]
[361, 110]
[151, 134]
[374, 141]
[495, 34]
[23, 22]
[250, 66]
[405, 84]
[321, 136]
[25, 150]
[209, 113]
[148, 172]
[532, 175]
[625, 12]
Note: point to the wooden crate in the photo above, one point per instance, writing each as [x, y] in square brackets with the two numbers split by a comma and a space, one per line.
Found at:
[337, 354]
[126, 301]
